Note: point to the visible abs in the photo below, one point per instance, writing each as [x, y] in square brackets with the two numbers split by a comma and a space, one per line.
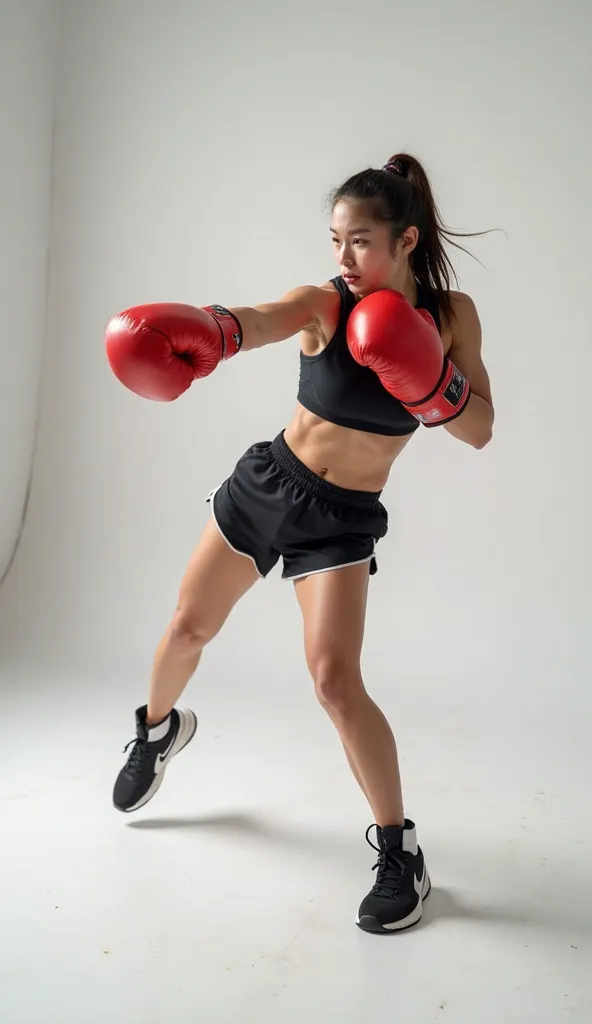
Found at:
[344, 457]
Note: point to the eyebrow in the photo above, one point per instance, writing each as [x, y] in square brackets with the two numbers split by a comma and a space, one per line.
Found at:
[354, 231]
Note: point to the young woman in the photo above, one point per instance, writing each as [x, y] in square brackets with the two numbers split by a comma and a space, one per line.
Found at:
[385, 346]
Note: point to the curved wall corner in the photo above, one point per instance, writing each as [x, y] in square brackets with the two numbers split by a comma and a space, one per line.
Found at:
[29, 34]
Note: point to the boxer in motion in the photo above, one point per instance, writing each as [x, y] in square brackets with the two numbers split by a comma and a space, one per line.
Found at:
[385, 346]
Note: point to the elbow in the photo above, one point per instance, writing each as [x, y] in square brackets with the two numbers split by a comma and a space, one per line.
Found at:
[482, 437]
[484, 433]
[473, 426]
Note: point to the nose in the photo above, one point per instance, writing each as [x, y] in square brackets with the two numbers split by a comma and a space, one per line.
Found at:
[346, 259]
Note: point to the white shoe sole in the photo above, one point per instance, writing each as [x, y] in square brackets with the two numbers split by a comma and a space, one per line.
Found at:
[368, 923]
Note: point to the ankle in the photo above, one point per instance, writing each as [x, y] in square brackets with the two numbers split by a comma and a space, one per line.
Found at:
[394, 821]
[156, 717]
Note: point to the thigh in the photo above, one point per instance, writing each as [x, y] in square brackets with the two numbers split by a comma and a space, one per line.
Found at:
[215, 579]
[333, 606]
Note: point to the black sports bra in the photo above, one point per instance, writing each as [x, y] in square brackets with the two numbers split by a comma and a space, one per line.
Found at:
[336, 388]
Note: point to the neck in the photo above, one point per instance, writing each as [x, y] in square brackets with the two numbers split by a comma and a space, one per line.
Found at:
[403, 281]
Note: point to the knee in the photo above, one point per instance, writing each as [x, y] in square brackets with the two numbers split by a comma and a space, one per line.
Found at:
[190, 630]
[338, 685]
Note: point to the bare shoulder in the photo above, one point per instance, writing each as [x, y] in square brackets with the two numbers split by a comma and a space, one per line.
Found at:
[326, 298]
[311, 294]
[315, 301]
[464, 312]
[462, 325]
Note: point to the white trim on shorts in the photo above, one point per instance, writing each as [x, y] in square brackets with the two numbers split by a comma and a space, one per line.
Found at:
[328, 568]
[244, 554]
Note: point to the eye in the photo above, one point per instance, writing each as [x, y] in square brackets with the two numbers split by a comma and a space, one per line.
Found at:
[359, 241]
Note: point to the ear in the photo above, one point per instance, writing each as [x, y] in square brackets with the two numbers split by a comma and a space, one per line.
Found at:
[409, 240]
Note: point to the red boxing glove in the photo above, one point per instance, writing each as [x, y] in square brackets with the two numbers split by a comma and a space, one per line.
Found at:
[157, 351]
[403, 347]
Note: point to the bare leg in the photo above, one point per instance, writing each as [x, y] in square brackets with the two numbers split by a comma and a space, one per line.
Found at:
[216, 578]
[333, 606]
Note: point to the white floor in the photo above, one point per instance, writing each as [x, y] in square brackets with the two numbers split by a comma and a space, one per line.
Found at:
[232, 896]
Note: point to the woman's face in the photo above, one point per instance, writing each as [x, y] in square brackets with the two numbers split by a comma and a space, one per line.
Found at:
[364, 249]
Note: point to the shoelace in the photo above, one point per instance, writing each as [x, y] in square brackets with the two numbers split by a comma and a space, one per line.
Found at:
[137, 759]
[392, 869]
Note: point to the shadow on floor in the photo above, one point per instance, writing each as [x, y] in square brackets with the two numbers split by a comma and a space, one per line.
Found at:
[570, 920]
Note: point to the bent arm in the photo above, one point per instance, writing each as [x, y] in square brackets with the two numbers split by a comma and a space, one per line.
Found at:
[298, 310]
[474, 426]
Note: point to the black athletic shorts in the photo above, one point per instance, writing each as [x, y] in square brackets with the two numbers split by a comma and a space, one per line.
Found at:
[273, 505]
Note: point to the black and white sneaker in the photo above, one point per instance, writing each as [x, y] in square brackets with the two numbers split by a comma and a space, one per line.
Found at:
[402, 882]
[152, 749]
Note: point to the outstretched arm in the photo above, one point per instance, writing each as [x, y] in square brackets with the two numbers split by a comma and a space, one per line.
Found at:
[158, 350]
[296, 311]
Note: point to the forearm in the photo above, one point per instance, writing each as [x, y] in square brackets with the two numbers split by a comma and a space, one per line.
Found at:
[475, 424]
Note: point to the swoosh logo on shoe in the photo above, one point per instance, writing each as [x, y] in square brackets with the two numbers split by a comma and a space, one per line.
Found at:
[160, 760]
[418, 882]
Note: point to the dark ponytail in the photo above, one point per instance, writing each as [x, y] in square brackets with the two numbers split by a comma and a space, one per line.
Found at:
[400, 193]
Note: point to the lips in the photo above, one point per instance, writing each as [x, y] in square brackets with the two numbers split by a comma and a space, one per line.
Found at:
[350, 277]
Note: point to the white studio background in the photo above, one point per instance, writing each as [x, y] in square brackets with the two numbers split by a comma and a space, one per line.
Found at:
[193, 146]
[28, 49]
